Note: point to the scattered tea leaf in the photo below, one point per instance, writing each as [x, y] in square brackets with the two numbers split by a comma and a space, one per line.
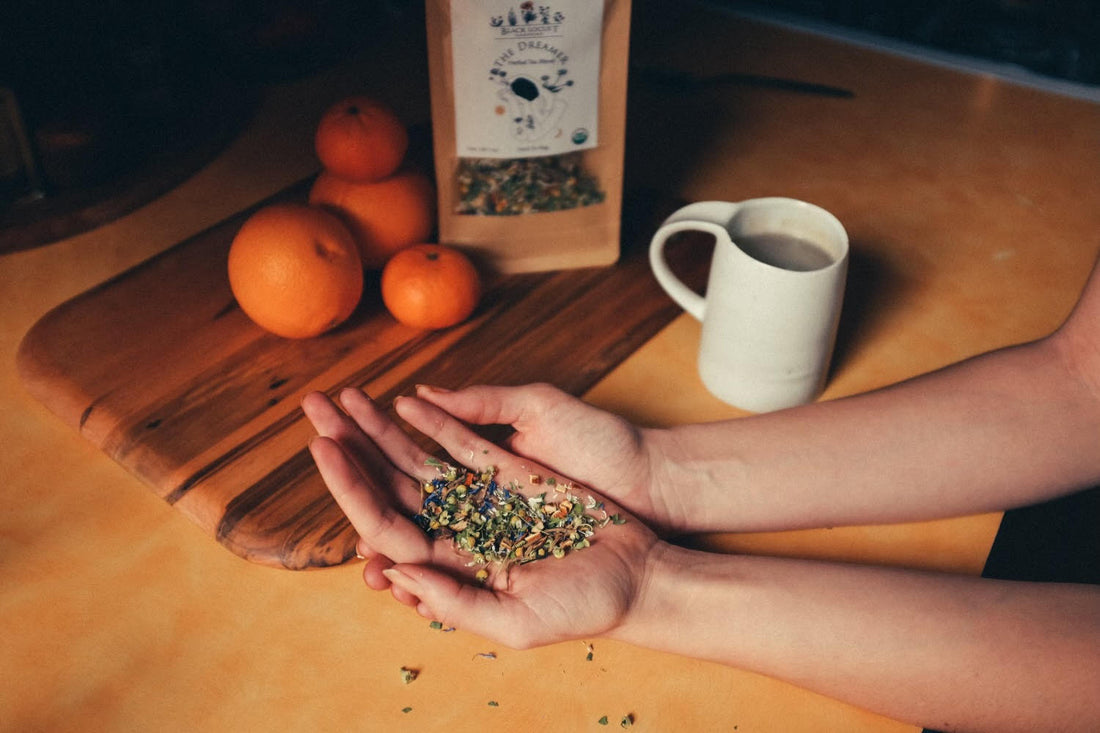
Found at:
[602, 721]
[408, 675]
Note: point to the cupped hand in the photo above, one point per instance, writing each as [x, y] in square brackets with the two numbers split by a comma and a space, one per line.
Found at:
[596, 447]
[374, 470]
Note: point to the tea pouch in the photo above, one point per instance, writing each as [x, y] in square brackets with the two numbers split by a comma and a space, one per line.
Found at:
[528, 126]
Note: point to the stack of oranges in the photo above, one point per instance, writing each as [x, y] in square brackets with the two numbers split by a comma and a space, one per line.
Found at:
[361, 145]
[297, 269]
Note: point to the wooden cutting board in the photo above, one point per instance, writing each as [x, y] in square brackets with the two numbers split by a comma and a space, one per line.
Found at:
[162, 371]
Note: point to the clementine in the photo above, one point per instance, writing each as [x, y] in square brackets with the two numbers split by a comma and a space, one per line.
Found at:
[360, 139]
[383, 216]
[430, 286]
[295, 270]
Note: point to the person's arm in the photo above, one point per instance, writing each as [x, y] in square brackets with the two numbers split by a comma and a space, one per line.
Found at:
[1013, 427]
[942, 651]
[945, 651]
[1007, 428]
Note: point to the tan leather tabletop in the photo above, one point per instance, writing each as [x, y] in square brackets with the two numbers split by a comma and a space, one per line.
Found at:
[972, 208]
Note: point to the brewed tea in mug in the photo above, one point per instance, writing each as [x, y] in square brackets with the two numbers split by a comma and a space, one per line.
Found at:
[785, 251]
[773, 297]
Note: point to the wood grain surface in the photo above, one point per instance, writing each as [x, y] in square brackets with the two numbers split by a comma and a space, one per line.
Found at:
[162, 371]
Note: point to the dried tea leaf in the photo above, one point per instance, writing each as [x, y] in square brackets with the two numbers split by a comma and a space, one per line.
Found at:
[514, 186]
[494, 523]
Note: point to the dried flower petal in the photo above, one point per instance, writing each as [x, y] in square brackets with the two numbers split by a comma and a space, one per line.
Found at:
[495, 523]
[511, 186]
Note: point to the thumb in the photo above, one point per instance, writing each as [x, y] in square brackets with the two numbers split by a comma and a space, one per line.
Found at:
[476, 609]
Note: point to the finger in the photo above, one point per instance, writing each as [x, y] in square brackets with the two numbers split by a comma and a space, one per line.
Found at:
[488, 405]
[404, 597]
[373, 572]
[383, 529]
[387, 435]
[331, 422]
[363, 551]
[375, 578]
[477, 609]
[528, 409]
[462, 443]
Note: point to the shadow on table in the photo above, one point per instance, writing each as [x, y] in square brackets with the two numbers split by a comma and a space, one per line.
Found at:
[870, 287]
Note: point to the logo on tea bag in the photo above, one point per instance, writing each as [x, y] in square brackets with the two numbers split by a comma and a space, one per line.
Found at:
[533, 104]
[541, 20]
[541, 93]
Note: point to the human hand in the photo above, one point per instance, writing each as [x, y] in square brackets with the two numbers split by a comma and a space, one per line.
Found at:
[600, 449]
[374, 471]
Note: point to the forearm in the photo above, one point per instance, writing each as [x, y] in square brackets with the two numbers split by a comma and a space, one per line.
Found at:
[1004, 429]
[941, 651]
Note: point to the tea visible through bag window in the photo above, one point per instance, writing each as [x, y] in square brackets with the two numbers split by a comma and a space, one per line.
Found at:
[528, 117]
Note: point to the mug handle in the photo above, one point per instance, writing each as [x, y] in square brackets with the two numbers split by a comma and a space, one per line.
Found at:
[705, 216]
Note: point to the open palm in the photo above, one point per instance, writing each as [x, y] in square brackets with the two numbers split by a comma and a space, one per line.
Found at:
[374, 471]
[596, 447]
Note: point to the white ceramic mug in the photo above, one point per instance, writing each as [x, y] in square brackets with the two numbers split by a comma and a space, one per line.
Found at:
[768, 328]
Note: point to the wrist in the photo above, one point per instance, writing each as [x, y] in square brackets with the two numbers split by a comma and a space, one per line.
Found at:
[672, 501]
[680, 592]
[690, 490]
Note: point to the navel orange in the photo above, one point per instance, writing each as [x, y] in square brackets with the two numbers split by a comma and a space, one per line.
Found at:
[295, 270]
[360, 139]
[430, 286]
[383, 216]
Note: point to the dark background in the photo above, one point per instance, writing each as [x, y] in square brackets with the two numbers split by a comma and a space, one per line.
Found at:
[1056, 38]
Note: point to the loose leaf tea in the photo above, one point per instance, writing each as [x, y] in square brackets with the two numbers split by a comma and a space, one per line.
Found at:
[516, 186]
[528, 124]
[495, 523]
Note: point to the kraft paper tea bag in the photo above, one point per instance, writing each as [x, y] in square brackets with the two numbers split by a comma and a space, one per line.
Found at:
[528, 120]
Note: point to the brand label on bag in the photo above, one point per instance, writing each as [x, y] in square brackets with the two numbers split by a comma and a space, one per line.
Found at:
[526, 76]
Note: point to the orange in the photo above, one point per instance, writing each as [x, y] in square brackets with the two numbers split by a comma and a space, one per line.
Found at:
[360, 139]
[430, 286]
[295, 270]
[383, 216]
